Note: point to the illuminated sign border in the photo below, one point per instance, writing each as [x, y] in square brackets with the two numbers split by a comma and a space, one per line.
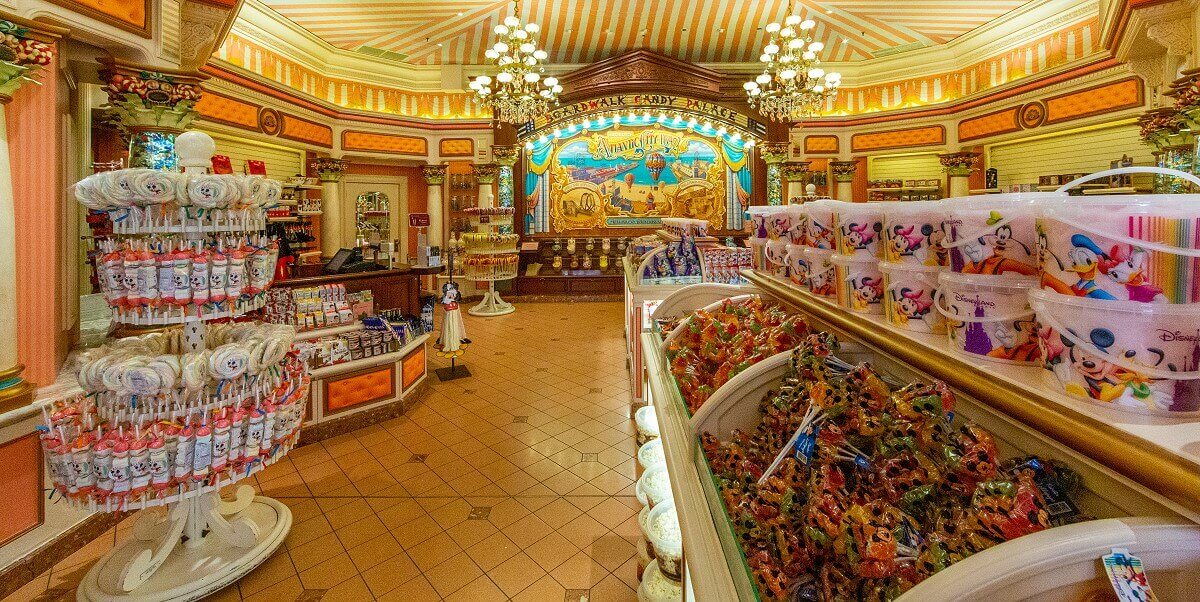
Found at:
[621, 103]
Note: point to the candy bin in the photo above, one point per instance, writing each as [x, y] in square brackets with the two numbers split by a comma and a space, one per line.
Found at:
[654, 486]
[657, 587]
[666, 539]
[989, 316]
[797, 265]
[859, 283]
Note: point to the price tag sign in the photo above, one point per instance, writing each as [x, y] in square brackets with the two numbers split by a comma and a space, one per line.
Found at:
[484, 219]
[418, 220]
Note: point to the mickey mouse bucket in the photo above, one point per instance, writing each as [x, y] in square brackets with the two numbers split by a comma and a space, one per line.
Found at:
[908, 295]
[994, 234]
[859, 283]
[1127, 354]
[858, 229]
[821, 223]
[913, 234]
[1123, 247]
[989, 316]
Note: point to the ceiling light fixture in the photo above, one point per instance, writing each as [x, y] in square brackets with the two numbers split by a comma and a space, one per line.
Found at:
[518, 93]
[792, 86]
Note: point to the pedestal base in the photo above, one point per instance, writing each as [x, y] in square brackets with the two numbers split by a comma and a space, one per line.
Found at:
[191, 570]
[492, 305]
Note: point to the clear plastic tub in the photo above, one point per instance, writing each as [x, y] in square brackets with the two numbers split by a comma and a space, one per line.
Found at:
[989, 316]
[912, 233]
[653, 487]
[859, 229]
[665, 536]
[650, 455]
[859, 283]
[657, 587]
[909, 290]
[995, 233]
[647, 424]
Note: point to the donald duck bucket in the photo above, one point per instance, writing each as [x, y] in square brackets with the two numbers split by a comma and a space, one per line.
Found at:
[776, 252]
[797, 265]
[908, 292]
[1123, 247]
[994, 234]
[821, 277]
[913, 234]
[821, 225]
[859, 283]
[989, 316]
[859, 226]
[1130, 355]
[799, 232]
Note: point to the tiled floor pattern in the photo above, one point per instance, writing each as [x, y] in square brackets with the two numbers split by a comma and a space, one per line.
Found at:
[515, 484]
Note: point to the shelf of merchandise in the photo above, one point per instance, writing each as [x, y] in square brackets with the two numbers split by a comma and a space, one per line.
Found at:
[402, 370]
[328, 331]
[1122, 475]
[907, 189]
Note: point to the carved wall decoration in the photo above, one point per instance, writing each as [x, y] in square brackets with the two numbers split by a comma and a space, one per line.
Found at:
[1031, 115]
[905, 138]
[642, 70]
[456, 147]
[270, 122]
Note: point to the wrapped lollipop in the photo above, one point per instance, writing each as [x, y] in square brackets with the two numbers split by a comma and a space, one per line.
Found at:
[200, 279]
[181, 276]
[218, 276]
[236, 278]
[153, 186]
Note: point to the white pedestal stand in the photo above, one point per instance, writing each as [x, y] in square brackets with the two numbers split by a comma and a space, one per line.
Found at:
[203, 542]
[492, 304]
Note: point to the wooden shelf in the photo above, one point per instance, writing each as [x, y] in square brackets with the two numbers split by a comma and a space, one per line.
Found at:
[907, 189]
[283, 219]
[302, 186]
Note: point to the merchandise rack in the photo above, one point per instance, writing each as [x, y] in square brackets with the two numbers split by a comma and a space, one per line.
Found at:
[492, 304]
[1140, 467]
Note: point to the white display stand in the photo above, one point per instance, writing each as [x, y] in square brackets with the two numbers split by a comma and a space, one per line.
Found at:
[202, 542]
[492, 305]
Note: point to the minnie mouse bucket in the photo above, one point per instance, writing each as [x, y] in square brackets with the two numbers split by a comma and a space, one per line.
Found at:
[1123, 247]
[994, 234]
[858, 229]
[908, 295]
[758, 221]
[859, 283]
[989, 316]
[821, 277]
[1127, 354]
[913, 234]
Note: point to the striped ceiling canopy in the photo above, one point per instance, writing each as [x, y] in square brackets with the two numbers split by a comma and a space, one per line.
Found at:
[431, 32]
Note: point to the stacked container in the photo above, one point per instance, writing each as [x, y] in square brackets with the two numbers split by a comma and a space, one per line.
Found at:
[1119, 305]
[857, 278]
[913, 256]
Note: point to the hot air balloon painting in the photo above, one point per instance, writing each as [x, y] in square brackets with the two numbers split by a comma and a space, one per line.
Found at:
[655, 163]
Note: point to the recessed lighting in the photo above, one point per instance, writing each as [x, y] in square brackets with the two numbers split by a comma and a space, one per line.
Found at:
[460, 13]
[439, 44]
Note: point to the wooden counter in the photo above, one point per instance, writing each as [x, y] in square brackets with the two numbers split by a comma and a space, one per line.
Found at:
[397, 288]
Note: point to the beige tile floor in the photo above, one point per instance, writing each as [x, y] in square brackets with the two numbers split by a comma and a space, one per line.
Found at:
[516, 483]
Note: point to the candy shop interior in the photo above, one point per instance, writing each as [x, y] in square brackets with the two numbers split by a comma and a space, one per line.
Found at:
[812, 300]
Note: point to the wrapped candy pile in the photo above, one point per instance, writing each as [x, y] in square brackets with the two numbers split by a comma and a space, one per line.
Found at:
[715, 346]
[850, 490]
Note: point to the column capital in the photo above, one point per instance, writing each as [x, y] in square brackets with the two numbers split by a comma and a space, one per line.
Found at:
[506, 154]
[961, 163]
[25, 47]
[485, 173]
[796, 171]
[150, 98]
[843, 171]
[435, 175]
[329, 169]
[773, 152]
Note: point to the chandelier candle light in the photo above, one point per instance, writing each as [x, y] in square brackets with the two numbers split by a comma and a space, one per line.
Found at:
[519, 92]
[792, 85]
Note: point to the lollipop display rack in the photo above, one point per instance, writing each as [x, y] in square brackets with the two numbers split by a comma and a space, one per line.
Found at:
[167, 420]
[490, 256]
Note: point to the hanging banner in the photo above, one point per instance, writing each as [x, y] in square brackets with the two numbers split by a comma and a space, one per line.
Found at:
[643, 102]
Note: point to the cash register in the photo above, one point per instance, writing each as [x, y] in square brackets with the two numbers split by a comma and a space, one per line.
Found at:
[350, 261]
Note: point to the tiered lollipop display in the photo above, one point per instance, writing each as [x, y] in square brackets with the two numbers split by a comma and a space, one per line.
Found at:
[850, 489]
[491, 256]
[170, 418]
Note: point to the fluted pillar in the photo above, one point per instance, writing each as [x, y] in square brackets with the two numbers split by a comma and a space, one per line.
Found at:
[843, 175]
[795, 173]
[485, 176]
[774, 154]
[958, 167]
[506, 157]
[153, 106]
[435, 176]
[330, 172]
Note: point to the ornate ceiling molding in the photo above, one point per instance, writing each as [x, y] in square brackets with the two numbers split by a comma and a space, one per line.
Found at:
[202, 28]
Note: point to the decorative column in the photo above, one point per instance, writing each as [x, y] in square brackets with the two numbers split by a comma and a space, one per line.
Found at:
[152, 106]
[958, 167]
[485, 175]
[435, 176]
[796, 175]
[506, 157]
[21, 56]
[774, 154]
[330, 172]
[843, 175]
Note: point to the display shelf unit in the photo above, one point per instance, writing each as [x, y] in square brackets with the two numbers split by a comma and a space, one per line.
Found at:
[715, 566]
[571, 278]
[342, 390]
[492, 305]
[461, 193]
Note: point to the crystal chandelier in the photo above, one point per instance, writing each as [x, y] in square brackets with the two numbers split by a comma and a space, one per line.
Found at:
[519, 92]
[792, 86]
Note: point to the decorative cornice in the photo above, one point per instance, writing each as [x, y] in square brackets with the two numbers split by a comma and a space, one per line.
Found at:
[328, 169]
[506, 155]
[202, 27]
[150, 99]
[796, 171]
[773, 153]
[843, 171]
[435, 175]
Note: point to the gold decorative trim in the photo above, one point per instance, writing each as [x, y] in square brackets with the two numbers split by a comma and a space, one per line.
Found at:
[1140, 460]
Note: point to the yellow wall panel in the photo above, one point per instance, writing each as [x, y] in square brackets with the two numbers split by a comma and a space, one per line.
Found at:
[904, 167]
[1085, 151]
[281, 163]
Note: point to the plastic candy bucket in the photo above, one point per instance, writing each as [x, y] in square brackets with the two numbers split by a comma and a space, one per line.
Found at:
[1123, 247]
[859, 283]
[758, 253]
[989, 316]
[1127, 354]
[912, 233]
[797, 265]
[779, 223]
[994, 234]
[776, 258]
[908, 295]
[758, 220]
[821, 277]
[799, 232]
[821, 223]
[859, 226]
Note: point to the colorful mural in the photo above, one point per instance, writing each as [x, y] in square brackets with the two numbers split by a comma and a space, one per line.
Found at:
[632, 177]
